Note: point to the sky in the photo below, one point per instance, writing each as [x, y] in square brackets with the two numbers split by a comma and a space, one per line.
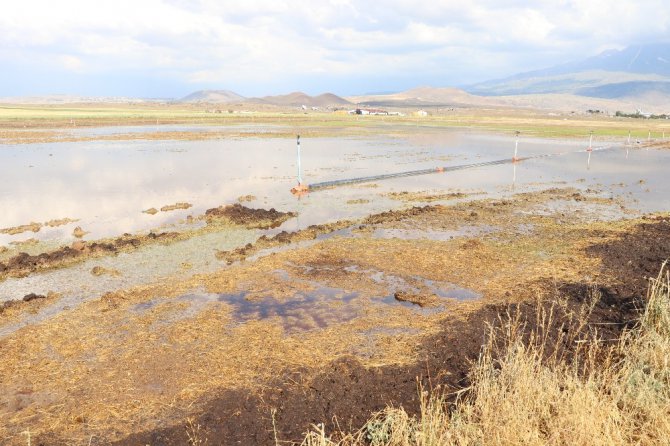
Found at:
[170, 48]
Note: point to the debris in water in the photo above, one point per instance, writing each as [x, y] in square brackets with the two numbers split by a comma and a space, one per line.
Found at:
[422, 300]
[100, 271]
[34, 227]
[78, 232]
[174, 207]
[33, 296]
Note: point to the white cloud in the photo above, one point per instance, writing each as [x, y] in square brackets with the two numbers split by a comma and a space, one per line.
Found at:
[244, 42]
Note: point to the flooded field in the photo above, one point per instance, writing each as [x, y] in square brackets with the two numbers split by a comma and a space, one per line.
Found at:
[147, 267]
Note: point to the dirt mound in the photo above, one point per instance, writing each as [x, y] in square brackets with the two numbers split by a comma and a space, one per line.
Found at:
[636, 256]
[23, 264]
[252, 218]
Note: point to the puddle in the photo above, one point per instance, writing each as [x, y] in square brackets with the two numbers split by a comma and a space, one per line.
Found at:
[415, 284]
[315, 309]
[304, 311]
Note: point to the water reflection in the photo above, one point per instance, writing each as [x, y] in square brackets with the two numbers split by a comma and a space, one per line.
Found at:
[107, 184]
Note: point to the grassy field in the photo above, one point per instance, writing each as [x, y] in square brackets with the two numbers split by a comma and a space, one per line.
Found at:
[530, 123]
[578, 390]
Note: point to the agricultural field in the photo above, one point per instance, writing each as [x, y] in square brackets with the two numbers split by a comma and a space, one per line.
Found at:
[160, 284]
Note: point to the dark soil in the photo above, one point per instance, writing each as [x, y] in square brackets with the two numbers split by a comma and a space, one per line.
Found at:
[23, 264]
[390, 216]
[637, 256]
[256, 218]
[283, 238]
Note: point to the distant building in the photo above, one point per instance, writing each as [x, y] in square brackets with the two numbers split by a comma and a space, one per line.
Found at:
[421, 113]
[368, 111]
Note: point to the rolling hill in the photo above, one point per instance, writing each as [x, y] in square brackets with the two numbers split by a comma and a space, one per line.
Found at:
[298, 98]
[213, 96]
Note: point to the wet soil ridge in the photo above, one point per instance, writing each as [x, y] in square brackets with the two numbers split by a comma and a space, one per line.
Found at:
[249, 217]
[636, 256]
[283, 238]
[31, 299]
[23, 264]
[314, 231]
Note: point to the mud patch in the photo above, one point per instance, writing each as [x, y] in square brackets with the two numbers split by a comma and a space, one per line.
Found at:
[422, 300]
[31, 302]
[251, 218]
[264, 242]
[23, 264]
[101, 271]
[636, 256]
[176, 206]
[34, 227]
[246, 198]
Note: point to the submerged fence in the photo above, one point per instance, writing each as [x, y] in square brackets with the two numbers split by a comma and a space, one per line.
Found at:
[411, 173]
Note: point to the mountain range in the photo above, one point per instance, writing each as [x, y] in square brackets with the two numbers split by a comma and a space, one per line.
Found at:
[634, 77]
[295, 99]
[635, 71]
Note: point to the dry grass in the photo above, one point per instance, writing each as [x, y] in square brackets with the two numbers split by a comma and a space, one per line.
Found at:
[576, 389]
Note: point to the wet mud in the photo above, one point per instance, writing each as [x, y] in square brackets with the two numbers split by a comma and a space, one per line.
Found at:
[249, 217]
[23, 263]
[345, 393]
[174, 207]
[281, 239]
[36, 227]
[555, 264]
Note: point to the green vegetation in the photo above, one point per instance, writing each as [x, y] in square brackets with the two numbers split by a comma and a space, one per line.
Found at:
[576, 389]
[332, 123]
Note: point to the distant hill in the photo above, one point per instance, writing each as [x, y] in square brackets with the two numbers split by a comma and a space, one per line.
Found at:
[214, 97]
[635, 70]
[425, 97]
[298, 98]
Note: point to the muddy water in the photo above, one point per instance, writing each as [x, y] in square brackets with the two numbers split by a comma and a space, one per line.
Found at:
[107, 184]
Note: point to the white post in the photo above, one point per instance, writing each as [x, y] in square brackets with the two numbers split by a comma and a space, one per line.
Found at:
[649, 136]
[516, 146]
[588, 162]
[299, 166]
[628, 137]
[590, 142]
